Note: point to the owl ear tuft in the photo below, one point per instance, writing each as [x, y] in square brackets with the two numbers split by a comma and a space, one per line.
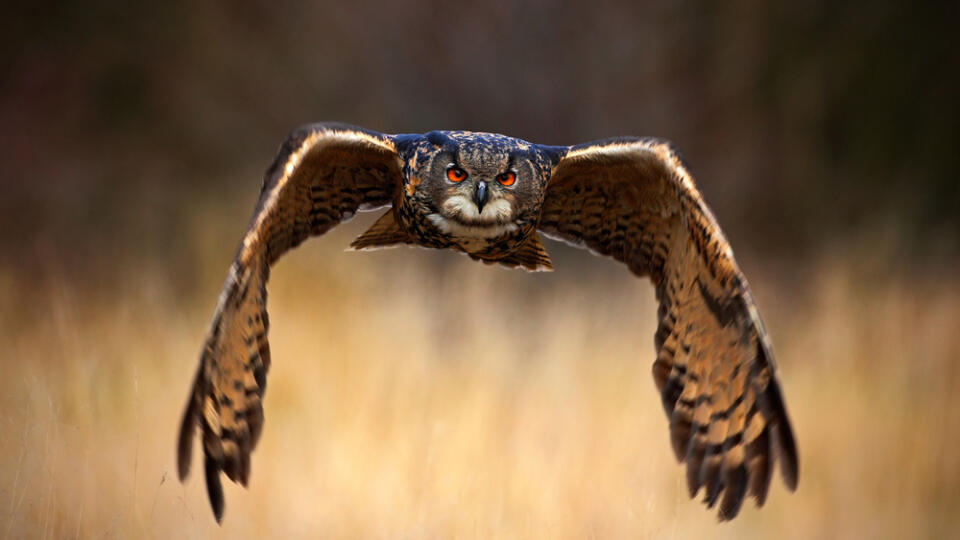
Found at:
[554, 153]
[438, 139]
[385, 232]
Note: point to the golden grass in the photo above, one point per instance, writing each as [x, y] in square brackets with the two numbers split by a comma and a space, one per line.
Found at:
[415, 396]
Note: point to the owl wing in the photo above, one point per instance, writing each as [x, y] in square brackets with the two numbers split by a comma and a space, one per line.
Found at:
[322, 174]
[633, 200]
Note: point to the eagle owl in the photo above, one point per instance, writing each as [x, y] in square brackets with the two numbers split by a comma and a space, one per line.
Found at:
[491, 196]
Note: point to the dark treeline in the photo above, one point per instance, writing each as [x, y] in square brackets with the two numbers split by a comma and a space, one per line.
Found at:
[806, 123]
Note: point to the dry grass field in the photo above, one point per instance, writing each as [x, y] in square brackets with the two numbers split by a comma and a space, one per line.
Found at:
[415, 394]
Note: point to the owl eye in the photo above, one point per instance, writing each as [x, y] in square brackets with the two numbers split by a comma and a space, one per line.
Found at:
[456, 174]
[507, 178]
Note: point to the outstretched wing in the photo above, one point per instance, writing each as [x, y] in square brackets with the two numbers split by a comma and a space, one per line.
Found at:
[322, 175]
[633, 200]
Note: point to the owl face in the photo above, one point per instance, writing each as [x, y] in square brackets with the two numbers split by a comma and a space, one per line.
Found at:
[478, 188]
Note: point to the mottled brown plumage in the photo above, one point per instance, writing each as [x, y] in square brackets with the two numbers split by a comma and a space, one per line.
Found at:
[634, 200]
[631, 199]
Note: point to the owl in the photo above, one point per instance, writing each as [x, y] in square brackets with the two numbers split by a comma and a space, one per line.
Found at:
[492, 197]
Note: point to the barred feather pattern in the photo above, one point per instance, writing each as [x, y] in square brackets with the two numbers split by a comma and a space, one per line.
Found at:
[628, 198]
[322, 175]
[632, 199]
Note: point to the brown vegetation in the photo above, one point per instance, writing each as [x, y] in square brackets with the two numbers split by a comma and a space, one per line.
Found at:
[417, 394]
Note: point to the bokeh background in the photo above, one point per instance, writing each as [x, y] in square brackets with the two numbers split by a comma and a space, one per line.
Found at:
[416, 394]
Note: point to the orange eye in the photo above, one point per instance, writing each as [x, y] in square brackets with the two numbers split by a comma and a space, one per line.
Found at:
[507, 178]
[456, 174]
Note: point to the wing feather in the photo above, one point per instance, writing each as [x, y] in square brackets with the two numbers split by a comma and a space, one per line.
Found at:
[633, 200]
[322, 175]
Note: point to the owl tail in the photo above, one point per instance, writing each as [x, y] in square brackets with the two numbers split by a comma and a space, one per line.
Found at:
[385, 232]
[530, 255]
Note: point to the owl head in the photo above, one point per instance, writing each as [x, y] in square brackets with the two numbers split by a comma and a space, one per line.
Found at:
[475, 189]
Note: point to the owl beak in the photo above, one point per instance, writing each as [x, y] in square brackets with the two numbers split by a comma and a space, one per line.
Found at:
[480, 197]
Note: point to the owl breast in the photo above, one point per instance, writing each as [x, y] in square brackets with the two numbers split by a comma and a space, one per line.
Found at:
[475, 239]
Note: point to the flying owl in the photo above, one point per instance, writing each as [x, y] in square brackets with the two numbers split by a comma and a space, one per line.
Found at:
[491, 196]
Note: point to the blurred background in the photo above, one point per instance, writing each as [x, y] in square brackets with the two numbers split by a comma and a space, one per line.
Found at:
[133, 139]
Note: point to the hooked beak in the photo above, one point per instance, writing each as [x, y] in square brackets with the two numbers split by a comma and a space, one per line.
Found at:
[480, 197]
